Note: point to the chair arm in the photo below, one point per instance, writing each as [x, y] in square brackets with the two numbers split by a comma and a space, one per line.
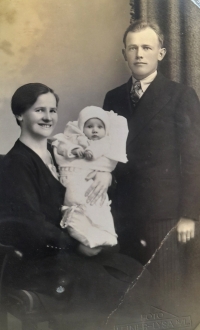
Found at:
[5, 252]
[9, 250]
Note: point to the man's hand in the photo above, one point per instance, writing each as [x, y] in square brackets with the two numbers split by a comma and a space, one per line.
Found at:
[78, 152]
[185, 229]
[88, 154]
[87, 251]
[99, 187]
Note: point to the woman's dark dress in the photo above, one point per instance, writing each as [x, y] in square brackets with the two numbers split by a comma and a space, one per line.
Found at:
[73, 289]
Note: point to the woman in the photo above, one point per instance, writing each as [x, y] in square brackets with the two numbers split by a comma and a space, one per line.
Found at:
[72, 287]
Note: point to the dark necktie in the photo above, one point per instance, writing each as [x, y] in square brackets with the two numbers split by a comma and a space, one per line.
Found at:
[135, 95]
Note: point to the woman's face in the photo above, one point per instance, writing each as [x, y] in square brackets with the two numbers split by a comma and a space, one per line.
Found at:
[40, 119]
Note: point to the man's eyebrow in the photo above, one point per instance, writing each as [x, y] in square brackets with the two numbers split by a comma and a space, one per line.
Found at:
[140, 45]
[132, 45]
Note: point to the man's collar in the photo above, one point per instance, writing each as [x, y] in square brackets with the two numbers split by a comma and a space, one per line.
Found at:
[146, 81]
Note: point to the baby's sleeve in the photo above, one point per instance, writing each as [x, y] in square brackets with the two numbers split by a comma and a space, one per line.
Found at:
[63, 146]
[118, 133]
[98, 148]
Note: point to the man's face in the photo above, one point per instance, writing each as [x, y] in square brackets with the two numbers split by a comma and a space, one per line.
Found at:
[142, 52]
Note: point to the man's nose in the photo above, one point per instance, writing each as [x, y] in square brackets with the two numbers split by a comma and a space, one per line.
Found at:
[139, 53]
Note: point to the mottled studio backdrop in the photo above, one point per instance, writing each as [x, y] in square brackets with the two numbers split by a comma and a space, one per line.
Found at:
[74, 46]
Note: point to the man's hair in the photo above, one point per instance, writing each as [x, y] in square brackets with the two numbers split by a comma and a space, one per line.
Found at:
[139, 25]
[26, 95]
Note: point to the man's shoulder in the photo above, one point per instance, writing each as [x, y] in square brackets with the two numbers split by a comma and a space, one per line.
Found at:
[180, 93]
[160, 79]
[171, 84]
[119, 89]
[118, 98]
[179, 86]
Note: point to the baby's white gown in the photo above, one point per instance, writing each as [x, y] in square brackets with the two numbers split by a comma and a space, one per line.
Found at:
[92, 225]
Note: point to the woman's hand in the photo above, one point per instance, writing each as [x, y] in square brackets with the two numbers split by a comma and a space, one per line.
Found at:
[185, 229]
[87, 251]
[99, 187]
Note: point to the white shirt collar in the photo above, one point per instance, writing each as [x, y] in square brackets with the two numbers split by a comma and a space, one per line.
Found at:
[146, 81]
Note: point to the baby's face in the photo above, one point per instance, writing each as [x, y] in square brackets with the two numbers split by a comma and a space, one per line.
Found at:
[94, 129]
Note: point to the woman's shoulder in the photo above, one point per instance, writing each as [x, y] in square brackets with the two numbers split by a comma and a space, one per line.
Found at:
[19, 157]
[17, 170]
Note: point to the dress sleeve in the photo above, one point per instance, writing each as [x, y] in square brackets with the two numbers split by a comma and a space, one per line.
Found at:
[22, 221]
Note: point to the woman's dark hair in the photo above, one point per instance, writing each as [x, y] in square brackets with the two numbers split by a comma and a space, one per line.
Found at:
[26, 95]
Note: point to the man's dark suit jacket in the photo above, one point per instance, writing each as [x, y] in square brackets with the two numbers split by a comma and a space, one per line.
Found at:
[162, 177]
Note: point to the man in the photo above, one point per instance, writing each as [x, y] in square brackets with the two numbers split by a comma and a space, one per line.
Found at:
[159, 187]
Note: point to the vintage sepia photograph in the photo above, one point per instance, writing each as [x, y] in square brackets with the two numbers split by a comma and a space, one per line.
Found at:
[99, 165]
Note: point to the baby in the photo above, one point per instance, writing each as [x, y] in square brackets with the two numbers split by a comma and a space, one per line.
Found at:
[97, 141]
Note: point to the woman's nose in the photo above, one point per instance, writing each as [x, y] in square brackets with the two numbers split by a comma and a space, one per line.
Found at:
[47, 116]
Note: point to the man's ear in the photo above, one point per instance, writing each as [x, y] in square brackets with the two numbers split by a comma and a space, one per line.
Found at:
[161, 54]
[124, 54]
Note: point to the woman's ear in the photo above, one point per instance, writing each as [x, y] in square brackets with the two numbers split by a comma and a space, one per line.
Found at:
[19, 118]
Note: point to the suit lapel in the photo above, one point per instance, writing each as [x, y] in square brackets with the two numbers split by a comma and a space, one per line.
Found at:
[151, 103]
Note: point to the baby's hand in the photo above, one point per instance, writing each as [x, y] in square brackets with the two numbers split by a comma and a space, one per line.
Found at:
[88, 154]
[78, 152]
